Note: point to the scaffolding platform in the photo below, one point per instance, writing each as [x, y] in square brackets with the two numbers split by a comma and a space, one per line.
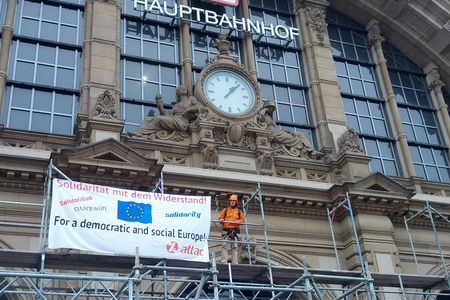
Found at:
[242, 272]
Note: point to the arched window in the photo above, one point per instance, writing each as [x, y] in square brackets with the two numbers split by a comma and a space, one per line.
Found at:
[362, 100]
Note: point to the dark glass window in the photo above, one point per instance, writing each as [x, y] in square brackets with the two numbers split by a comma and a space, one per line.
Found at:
[42, 64]
[272, 17]
[150, 41]
[45, 67]
[280, 69]
[418, 117]
[203, 47]
[40, 110]
[150, 64]
[431, 163]
[348, 43]
[2, 13]
[50, 22]
[364, 108]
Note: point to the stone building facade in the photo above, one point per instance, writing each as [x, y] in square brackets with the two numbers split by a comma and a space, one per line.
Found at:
[364, 86]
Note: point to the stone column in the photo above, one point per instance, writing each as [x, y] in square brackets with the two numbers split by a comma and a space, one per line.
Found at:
[435, 84]
[375, 39]
[100, 94]
[187, 54]
[379, 250]
[248, 43]
[84, 90]
[7, 32]
[325, 96]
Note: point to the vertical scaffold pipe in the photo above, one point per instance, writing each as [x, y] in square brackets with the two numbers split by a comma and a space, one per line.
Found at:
[412, 245]
[266, 239]
[438, 243]
[137, 274]
[247, 240]
[44, 220]
[330, 221]
[358, 246]
[214, 276]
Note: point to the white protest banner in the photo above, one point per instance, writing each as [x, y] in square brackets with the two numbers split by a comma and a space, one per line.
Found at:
[110, 220]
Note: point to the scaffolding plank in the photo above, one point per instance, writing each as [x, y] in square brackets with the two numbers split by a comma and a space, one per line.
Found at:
[243, 272]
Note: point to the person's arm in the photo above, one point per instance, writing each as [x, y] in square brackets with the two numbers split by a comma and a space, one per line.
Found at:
[159, 104]
[222, 216]
[242, 218]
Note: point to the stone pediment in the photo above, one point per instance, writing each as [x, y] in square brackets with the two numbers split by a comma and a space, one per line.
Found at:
[374, 193]
[381, 184]
[108, 162]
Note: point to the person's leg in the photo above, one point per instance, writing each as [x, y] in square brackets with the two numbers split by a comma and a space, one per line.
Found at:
[224, 255]
[234, 250]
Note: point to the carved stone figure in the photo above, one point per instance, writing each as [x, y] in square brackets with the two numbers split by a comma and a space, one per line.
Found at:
[209, 155]
[105, 106]
[349, 142]
[294, 144]
[316, 21]
[177, 119]
[265, 161]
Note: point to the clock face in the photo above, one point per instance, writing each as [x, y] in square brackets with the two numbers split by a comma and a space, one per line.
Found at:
[229, 92]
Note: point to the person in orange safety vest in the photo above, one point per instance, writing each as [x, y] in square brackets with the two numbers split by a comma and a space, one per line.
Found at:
[231, 218]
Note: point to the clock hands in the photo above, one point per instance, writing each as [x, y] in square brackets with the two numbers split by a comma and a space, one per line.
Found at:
[232, 89]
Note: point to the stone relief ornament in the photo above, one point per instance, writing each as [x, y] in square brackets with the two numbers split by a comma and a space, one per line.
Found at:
[285, 142]
[105, 106]
[375, 34]
[434, 80]
[265, 162]
[316, 21]
[249, 142]
[209, 155]
[171, 124]
[349, 142]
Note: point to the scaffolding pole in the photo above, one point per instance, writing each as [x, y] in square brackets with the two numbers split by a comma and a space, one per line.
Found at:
[346, 203]
[428, 211]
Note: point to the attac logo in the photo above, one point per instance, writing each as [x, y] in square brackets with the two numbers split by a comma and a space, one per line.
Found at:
[225, 2]
[173, 247]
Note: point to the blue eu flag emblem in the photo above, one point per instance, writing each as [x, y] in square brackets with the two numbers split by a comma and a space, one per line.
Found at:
[134, 212]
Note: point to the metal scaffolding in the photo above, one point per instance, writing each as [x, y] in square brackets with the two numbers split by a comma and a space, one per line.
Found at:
[78, 275]
[431, 213]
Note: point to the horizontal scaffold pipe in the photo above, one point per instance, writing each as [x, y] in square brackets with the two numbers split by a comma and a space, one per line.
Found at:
[65, 276]
[176, 269]
[262, 288]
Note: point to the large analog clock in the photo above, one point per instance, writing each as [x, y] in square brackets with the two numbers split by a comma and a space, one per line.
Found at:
[229, 92]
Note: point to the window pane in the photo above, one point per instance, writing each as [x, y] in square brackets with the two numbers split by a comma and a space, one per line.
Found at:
[49, 31]
[45, 74]
[284, 112]
[19, 119]
[62, 125]
[42, 101]
[65, 78]
[133, 89]
[24, 71]
[40, 122]
[21, 98]
[63, 103]
[29, 27]
[47, 54]
[68, 34]
[66, 57]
